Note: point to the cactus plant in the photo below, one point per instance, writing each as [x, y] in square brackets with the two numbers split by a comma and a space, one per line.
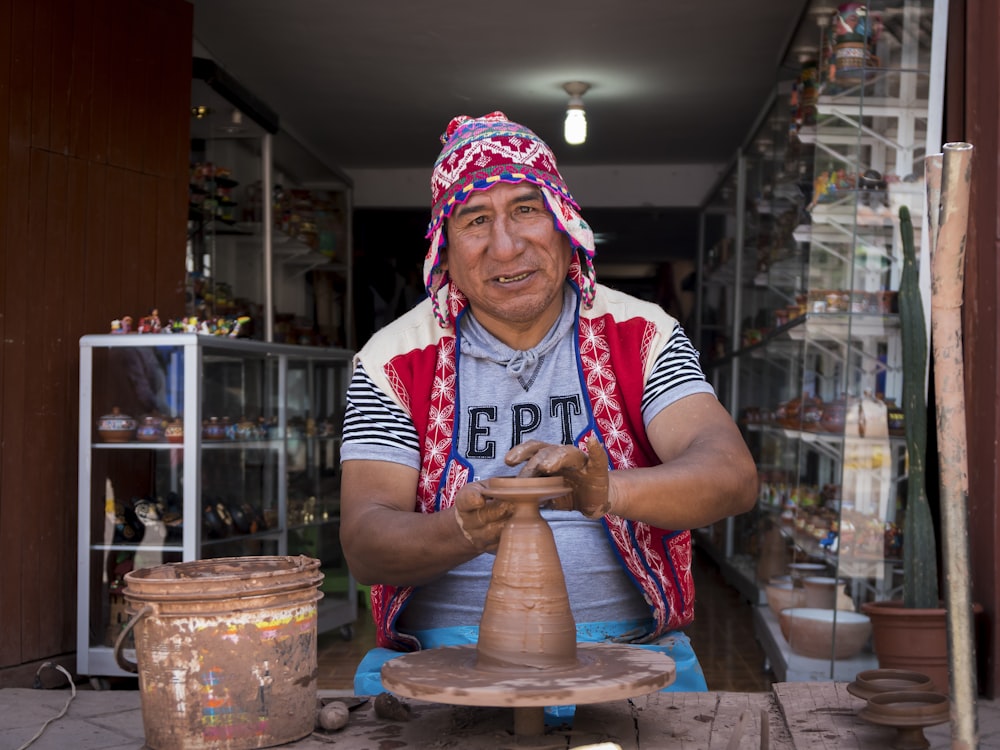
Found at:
[920, 576]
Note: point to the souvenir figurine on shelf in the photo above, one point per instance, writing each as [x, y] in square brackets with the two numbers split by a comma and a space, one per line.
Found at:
[150, 323]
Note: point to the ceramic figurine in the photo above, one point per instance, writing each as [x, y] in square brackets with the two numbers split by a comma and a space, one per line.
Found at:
[150, 323]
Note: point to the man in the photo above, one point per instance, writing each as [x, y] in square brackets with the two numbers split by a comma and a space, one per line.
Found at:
[518, 362]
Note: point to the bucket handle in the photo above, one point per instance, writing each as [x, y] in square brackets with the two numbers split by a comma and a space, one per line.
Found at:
[123, 662]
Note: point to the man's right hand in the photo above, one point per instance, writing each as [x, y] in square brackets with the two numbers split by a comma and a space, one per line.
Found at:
[481, 519]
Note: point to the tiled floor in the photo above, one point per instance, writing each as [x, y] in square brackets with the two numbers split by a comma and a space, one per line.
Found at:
[722, 635]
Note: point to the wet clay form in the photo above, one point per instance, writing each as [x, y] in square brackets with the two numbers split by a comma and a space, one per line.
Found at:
[909, 712]
[527, 656]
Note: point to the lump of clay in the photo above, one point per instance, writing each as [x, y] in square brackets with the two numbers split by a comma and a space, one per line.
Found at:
[388, 706]
[333, 716]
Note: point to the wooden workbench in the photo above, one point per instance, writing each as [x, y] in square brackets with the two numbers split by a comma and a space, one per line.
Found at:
[799, 716]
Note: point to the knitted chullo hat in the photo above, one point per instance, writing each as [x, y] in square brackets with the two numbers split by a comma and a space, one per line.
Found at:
[478, 153]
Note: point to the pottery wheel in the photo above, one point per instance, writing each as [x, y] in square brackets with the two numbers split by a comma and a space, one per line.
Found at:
[526, 656]
[603, 672]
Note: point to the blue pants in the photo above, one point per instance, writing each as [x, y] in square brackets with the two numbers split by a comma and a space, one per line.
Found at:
[676, 645]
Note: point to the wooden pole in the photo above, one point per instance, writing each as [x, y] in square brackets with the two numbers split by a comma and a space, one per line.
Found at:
[947, 283]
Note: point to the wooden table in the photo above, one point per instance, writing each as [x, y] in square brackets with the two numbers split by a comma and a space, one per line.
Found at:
[798, 716]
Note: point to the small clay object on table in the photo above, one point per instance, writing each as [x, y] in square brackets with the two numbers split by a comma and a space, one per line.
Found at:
[909, 712]
[871, 682]
[333, 716]
[388, 706]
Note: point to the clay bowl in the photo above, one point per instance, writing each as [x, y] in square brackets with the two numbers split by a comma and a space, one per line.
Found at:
[802, 570]
[822, 633]
[821, 591]
[876, 681]
[784, 596]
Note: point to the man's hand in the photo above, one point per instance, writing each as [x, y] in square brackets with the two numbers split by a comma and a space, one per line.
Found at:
[480, 519]
[586, 473]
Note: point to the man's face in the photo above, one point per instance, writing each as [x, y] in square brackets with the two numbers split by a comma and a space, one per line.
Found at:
[507, 256]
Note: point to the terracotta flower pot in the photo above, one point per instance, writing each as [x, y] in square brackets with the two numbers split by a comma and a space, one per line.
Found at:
[912, 639]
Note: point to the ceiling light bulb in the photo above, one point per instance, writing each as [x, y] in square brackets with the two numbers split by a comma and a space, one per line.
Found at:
[575, 128]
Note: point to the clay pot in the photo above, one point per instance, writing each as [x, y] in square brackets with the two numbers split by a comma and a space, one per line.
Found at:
[812, 414]
[834, 416]
[213, 429]
[116, 427]
[853, 55]
[824, 633]
[174, 431]
[913, 639]
[821, 592]
[245, 429]
[801, 570]
[150, 429]
[784, 596]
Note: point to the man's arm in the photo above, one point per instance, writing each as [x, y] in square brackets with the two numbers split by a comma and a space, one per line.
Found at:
[385, 540]
[707, 472]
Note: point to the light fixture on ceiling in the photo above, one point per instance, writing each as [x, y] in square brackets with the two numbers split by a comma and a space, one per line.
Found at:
[575, 128]
[235, 124]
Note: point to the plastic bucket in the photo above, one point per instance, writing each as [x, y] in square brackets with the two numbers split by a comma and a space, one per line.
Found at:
[225, 651]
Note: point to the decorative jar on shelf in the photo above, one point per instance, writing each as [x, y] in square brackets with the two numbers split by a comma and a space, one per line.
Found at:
[213, 429]
[150, 429]
[174, 431]
[116, 427]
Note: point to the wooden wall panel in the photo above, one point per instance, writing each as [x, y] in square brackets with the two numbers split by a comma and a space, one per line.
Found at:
[93, 204]
[81, 79]
[95, 288]
[15, 513]
[6, 19]
[103, 67]
[34, 466]
[41, 73]
[61, 72]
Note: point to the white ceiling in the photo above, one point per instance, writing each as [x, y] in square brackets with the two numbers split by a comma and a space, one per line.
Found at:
[373, 83]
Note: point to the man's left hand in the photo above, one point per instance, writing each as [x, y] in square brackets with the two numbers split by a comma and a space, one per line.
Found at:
[586, 473]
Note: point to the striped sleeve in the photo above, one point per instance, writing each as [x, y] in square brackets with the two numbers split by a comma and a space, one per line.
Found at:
[676, 373]
[375, 426]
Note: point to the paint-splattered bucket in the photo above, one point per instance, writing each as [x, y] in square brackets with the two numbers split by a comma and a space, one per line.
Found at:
[225, 651]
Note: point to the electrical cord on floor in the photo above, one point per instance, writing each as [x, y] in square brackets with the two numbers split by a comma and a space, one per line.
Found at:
[38, 685]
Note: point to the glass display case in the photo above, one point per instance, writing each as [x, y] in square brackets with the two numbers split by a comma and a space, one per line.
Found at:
[269, 224]
[812, 367]
[196, 446]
